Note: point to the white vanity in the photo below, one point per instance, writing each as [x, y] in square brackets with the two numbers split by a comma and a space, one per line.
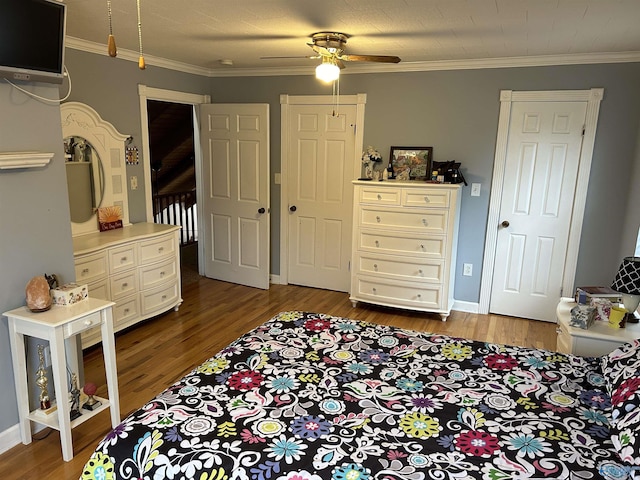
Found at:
[137, 266]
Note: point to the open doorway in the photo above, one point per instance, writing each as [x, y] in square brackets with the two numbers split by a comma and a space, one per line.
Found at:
[173, 176]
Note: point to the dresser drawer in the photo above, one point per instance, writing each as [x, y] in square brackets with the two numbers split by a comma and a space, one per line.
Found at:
[90, 268]
[400, 268]
[380, 196]
[122, 258]
[434, 221]
[159, 299]
[81, 324]
[123, 284]
[99, 289]
[126, 311]
[157, 249]
[420, 245]
[406, 294]
[158, 273]
[426, 197]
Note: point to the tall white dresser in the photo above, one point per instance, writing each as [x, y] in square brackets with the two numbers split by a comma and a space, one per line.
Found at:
[137, 267]
[405, 237]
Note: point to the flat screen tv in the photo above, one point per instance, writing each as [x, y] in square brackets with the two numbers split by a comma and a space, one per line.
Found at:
[32, 40]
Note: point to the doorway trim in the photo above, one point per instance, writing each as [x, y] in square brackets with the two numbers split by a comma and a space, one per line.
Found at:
[150, 93]
[593, 97]
[359, 100]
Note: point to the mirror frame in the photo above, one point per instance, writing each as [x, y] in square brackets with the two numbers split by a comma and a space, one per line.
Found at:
[80, 120]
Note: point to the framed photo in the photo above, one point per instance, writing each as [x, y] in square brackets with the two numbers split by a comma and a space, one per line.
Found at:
[411, 163]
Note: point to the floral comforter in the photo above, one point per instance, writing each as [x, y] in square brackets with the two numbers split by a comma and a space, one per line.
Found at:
[310, 396]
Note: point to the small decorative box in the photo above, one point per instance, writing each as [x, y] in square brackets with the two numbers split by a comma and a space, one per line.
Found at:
[582, 316]
[69, 294]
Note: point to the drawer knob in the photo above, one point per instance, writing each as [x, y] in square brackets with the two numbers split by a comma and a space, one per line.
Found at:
[161, 249]
[375, 267]
[420, 272]
[379, 197]
[125, 285]
[377, 243]
[426, 199]
[85, 271]
[164, 297]
[126, 311]
[421, 247]
[123, 259]
[419, 296]
[162, 273]
[424, 222]
[88, 322]
[378, 219]
[374, 290]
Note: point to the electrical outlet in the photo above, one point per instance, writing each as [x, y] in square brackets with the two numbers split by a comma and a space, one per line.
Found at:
[467, 269]
[134, 182]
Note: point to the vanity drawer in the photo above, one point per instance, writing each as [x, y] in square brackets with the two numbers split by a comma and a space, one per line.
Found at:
[99, 289]
[81, 324]
[157, 249]
[159, 299]
[427, 221]
[156, 274]
[379, 196]
[432, 246]
[400, 268]
[426, 197]
[122, 258]
[90, 268]
[126, 311]
[123, 285]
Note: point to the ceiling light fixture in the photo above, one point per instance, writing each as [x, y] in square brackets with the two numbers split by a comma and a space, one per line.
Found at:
[327, 71]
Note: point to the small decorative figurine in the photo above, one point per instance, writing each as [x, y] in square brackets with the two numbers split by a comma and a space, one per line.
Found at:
[41, 380]
[90, 390]
[74, 393]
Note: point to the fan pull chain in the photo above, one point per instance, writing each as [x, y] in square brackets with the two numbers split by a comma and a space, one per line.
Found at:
[111, 40]
[336, 97]
[141, 64]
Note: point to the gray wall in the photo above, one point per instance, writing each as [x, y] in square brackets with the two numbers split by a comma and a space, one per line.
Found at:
[34, 215]
[456, 112]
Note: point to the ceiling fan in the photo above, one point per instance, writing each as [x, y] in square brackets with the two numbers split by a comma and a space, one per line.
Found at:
[330, 47]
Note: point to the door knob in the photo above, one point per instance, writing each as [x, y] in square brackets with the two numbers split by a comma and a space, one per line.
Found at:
[505, 223]
[292, 208]
[261, 210]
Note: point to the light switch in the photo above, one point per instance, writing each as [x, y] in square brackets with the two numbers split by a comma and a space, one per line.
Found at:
[475, 189]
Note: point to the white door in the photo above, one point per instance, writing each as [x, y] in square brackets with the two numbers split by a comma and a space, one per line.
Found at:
[542, 160]
[235, 179]
[320, 195]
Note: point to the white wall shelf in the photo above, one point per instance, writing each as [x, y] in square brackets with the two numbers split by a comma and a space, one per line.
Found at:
[13, 160]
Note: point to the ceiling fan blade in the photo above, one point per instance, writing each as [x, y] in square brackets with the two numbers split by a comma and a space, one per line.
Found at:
[298, 56]
[370, 58]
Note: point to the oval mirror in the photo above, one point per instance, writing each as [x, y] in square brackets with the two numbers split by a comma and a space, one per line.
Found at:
[85, 178]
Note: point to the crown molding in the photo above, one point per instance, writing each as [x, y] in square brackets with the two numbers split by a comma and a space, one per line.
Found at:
[403, 67]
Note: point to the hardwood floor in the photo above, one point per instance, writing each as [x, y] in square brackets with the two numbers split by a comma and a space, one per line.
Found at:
[158, 352]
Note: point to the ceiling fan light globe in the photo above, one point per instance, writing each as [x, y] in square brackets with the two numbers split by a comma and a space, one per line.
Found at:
[327, 72]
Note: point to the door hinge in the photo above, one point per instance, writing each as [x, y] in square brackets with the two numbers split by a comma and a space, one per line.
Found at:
[584, 129]
[349, 266]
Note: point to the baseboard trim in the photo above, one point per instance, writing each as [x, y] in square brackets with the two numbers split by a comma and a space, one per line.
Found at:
[9, 438]
[275, 279]
[469, 307]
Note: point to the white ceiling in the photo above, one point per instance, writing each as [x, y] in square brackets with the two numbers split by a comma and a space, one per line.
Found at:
[196, 35]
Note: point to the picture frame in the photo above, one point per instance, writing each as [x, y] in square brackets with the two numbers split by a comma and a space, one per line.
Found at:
[411, 163]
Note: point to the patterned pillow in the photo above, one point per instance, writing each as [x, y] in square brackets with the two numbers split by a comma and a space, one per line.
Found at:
[621, 368]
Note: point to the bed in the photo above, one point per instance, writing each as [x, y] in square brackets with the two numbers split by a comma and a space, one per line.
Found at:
[312, 396]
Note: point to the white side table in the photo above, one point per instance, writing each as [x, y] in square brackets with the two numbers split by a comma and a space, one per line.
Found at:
[55, 325]
[599, 339]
